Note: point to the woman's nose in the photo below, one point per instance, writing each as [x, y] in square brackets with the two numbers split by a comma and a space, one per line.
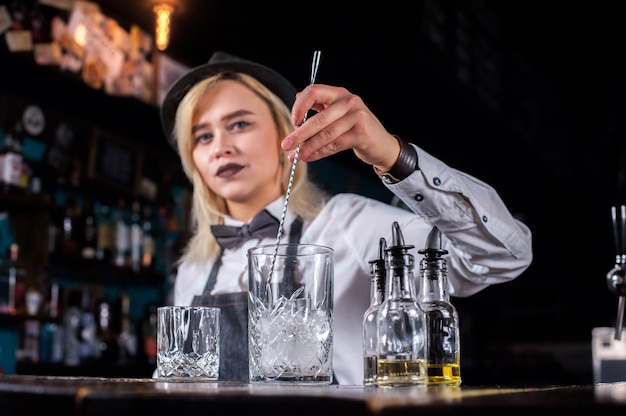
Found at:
[222, 144]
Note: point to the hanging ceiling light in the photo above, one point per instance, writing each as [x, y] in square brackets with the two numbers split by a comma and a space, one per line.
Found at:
[163, 10]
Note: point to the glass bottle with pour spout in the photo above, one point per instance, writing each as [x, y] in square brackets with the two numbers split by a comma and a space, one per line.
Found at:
[402, 348]
[443, 358]
[370, 317]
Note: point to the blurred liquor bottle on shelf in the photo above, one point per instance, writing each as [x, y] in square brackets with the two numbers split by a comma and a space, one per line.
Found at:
[11, 160]
[50, 343]
[88, 231]
[88, 334]
[149, 332]
[68, 242]
[370, 317]
[443, 360]
[107, 331]
[104, 239]
[148, 244]
[29, 350]
[136, 236]
[53, 303]
[9, 274]
[121, 233]
[72, 320]
[79, 328]
[127, 338]
[54, 230]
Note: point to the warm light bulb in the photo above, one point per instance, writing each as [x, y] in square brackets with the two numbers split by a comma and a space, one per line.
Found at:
[163, 13]
[80, 34]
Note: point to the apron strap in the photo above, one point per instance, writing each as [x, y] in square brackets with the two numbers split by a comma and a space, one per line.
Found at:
[210, 283]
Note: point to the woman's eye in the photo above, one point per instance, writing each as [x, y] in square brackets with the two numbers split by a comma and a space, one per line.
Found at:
[203, 138]
[239, 125]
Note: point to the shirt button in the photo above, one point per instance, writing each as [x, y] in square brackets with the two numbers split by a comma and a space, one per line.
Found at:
[436, 181]
[418, 197]
[485, 218]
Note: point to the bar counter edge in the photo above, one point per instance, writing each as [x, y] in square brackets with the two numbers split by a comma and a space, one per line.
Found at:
[25, 395]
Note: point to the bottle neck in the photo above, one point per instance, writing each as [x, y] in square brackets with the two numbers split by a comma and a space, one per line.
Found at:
[433, 280]
[400, 277]
[377, 290]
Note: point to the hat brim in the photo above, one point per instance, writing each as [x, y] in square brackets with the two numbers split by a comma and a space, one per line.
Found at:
[221, 62]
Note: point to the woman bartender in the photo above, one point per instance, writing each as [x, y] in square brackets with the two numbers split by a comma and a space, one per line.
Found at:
[233, 122]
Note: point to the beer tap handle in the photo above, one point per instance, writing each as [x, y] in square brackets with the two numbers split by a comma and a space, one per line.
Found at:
[622, 241]
[619, 232]
[616, 277]
[620, 318]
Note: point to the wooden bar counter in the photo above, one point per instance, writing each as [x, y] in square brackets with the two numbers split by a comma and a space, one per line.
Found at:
[42, 395]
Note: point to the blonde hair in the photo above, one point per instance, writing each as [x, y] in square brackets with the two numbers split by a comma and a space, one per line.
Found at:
[306, 199]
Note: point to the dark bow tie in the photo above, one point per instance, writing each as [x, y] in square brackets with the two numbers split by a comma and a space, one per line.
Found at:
[262, 225]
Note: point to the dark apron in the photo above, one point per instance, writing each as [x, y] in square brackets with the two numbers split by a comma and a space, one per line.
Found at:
[234, 319]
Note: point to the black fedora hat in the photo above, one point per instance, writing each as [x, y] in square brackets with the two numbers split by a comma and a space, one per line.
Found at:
[220, 62]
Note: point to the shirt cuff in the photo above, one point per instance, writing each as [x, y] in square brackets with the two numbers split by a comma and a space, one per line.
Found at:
[405, 165]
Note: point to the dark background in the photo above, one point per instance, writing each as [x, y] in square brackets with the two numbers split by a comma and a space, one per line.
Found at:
[528, 96]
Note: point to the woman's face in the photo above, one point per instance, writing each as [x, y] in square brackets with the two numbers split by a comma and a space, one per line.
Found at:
[235, 145]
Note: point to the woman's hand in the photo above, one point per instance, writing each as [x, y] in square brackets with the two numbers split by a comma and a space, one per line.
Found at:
[341, 121]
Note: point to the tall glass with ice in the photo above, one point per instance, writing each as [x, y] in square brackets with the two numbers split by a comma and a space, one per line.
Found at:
[290, 310]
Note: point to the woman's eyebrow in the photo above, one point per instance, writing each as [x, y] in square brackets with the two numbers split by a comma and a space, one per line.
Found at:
[226, 117]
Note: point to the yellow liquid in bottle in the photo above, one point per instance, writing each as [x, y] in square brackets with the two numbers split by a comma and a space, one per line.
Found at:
[392, 373]
[444, 375]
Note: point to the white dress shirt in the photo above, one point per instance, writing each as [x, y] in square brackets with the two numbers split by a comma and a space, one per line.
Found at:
[485, 244]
